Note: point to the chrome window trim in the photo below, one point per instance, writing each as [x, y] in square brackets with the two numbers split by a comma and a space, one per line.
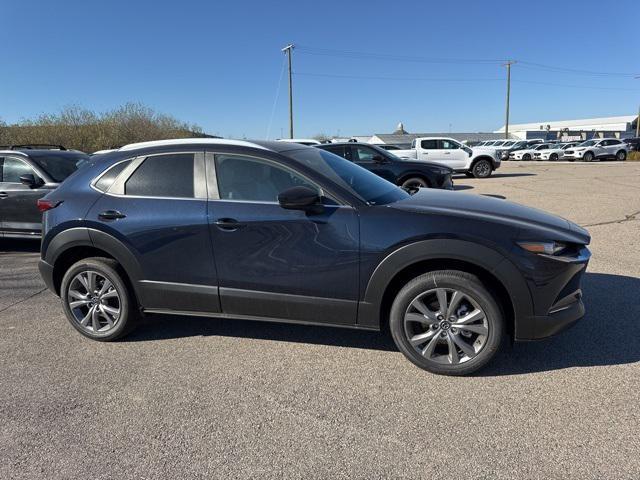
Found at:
[117, 187]
[214, 193]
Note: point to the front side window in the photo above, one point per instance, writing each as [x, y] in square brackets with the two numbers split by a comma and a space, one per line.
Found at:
[251, 179]
[449, 145]
[13, 169]
[364, 154]
[169, 175]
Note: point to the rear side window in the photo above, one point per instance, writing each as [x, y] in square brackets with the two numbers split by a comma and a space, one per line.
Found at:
[429, 144]
[338, 150]
[168, 175]
[107, 179]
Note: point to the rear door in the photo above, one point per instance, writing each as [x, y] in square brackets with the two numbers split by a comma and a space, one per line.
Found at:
[430, 151]
[157, 206]
[19, 214]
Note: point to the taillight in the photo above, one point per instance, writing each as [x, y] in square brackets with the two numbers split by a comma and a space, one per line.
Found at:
[44, 204]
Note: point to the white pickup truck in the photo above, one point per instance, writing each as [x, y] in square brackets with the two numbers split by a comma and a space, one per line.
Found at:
[477, 162]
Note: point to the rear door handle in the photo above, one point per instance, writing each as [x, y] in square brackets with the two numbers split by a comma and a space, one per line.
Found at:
[228, 224]
[4, 194]
[111, 215]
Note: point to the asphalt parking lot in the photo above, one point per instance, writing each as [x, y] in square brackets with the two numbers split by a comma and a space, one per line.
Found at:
[206, 398]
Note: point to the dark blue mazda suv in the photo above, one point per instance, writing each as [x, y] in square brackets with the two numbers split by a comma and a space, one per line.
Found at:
[282, 232]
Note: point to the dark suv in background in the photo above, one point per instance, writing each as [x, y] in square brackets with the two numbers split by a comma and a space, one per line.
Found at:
[27, 173]
[404, 173]
[282, 232]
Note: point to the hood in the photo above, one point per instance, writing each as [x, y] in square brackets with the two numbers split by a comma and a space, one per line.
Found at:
[433, 165]
[443, 202]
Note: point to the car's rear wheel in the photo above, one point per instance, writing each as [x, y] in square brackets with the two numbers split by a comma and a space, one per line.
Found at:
[481, 169]
[526, 156]
[96, 299]
[553, 157]
[447, 322]
[412, 184]
[621, 155]
[587, 157]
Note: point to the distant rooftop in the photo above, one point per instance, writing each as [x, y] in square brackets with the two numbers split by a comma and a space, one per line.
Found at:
[620, 123]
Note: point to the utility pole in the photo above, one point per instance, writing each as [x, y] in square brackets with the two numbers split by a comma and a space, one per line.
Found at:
[508, 65]
[287, 51]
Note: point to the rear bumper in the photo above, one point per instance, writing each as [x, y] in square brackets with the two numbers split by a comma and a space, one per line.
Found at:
[46, 272]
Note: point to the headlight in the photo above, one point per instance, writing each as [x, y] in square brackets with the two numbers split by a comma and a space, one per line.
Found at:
[546, 248]
[504, 154]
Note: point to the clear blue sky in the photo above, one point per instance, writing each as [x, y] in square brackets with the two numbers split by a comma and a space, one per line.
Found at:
[217, 63]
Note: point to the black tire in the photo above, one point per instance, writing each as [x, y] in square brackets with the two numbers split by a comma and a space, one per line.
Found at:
[482, 169]
[621, 156]
[553, 157]
[526, 156]
[412, 184]
[110, 270]
[587, 157]
[470, 286]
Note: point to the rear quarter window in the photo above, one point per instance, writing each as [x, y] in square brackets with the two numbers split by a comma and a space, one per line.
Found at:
[108, 177]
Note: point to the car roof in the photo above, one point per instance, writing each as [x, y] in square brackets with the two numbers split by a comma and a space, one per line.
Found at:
[273, 146]
[38, 153]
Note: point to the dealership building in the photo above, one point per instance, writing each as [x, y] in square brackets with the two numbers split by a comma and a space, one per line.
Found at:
[618, 127]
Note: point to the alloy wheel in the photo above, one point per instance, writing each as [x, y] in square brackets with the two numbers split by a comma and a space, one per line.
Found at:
[94, 302]
[446, 326]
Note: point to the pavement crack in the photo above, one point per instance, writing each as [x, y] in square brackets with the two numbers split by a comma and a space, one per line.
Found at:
[22, 300]
[627, 218]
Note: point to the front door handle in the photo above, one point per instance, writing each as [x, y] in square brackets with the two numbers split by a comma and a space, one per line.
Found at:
[228, 224]
[447, 153]
[111, 215]
[4, 194]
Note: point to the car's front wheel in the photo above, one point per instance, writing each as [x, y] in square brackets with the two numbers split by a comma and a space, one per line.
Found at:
[96, 299]
[553, 157]
[481, 169]
[447, 322]
[526, 156]
[412, 184]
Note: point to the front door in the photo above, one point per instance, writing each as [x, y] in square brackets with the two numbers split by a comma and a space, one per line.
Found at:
[277, 263]
[452, 154]
[19, 214]
[373, 161]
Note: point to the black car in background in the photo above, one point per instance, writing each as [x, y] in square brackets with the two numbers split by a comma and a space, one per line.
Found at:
[27, 173]
[404, 173]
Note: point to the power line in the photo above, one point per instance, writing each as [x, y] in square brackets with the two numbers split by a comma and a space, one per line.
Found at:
[417, 79]
[275, 100]
[401, 58]
[467, 79]
[551, 68]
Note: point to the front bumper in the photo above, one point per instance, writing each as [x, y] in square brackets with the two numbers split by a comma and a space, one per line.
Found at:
[555, 287]
[46, 272]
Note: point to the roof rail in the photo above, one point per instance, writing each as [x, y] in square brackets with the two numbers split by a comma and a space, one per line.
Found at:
[188, 141]
[33, 146]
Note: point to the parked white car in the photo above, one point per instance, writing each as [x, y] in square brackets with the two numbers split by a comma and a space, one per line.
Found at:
[477, 162]
[529, 153]
[555, 153]
[598, 149]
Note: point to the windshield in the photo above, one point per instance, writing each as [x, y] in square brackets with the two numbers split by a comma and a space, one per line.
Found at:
[588, 143]
[365, 185]
[59, 167]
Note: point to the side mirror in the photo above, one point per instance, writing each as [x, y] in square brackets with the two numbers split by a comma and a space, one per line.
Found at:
[30, 180]
[300, 198]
